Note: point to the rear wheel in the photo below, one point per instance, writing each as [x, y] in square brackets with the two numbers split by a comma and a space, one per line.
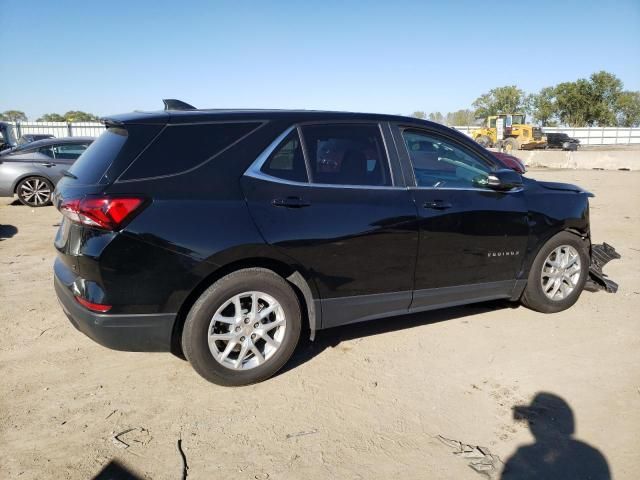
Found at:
[243, 328]
[34, 191]
[558, 274]
[510, 145]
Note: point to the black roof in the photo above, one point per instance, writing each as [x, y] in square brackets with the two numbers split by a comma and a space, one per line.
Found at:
[204, 115]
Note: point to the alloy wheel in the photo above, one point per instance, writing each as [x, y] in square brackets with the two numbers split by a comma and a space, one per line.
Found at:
[35, 191]
[561, 272]
[247, 330]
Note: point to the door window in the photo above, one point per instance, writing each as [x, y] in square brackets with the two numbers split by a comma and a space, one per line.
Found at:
[440, 163]
[69, 151]
[346, 154]
[287, 161]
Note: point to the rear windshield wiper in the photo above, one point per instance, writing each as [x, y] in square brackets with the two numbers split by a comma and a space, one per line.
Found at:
[67, 173]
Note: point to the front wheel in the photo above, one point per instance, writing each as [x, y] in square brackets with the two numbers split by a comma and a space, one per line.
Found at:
[34, 191]
[558, 274]
[243, 328]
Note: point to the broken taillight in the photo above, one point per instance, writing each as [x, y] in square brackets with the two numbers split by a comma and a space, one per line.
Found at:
[108, 213]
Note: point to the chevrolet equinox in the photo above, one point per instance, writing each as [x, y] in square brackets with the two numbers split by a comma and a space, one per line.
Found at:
[221, 234]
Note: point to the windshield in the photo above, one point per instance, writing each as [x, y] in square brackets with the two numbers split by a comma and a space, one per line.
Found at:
[518, 119]
[7, 135]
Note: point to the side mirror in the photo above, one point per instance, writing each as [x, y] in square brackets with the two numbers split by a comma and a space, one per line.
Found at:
[502, 180]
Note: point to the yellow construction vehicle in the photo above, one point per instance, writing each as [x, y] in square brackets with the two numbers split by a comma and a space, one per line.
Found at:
[516, 134]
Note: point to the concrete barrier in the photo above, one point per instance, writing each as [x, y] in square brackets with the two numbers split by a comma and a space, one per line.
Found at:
[586, 159]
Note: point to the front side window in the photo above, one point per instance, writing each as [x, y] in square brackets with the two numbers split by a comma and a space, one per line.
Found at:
[347, 154]
[287, 161]
[440, 163]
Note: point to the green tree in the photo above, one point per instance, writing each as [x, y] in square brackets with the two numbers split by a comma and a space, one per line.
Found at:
[78, 116]
[419, 114]
[572, 103]
[461, 117]
[508, 99]
[436, 117]
[628, 108]
[51, 117]
[603, 102]
[13, 116]
[543, 106]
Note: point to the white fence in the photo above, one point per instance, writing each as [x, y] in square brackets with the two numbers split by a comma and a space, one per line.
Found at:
[586, 135]
[60, 129]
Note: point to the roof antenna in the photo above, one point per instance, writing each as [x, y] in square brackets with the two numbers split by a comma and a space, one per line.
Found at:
[173, 104]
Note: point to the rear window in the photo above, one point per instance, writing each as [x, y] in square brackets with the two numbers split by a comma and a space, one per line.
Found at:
[183, 147]
[96, 159]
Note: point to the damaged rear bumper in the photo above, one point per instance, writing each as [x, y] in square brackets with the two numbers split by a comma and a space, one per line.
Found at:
[601, 254]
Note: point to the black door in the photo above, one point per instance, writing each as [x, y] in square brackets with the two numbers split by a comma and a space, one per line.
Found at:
[325, 196]
[472, 238]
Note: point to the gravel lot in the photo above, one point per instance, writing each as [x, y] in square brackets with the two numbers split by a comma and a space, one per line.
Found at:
[365, 401]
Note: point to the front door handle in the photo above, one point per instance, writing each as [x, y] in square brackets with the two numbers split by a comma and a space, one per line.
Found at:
[437, 205]
[290, 202]
[48, 164]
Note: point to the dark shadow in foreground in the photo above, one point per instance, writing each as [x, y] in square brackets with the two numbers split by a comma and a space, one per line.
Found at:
[114, 470]
[7, 231]
[555, 455]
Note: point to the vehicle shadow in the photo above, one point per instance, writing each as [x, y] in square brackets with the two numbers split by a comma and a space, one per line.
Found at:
[7, 231]
[555, 454]
[332, 337]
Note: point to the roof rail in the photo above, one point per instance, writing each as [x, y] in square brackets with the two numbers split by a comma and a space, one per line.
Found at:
[173, 104]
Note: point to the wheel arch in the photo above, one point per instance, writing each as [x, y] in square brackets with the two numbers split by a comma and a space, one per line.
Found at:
[302, 286]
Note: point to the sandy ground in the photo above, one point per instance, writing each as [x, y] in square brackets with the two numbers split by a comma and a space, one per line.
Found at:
[364, 401]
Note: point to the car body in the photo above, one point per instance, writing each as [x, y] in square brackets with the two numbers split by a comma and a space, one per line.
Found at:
[33, 169]
[202, 231]
[511, 161]
[562, 140]
[32, 137]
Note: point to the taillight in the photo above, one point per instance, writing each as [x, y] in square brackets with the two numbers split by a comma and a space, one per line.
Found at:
[102, 212]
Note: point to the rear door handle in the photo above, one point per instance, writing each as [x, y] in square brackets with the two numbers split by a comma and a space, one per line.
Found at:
[290, 202]
[437, 205]
[48, 164]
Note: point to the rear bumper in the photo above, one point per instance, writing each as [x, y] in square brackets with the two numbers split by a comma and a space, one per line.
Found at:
[133, 333]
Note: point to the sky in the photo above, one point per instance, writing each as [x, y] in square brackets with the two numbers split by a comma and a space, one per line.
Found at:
[392, 56]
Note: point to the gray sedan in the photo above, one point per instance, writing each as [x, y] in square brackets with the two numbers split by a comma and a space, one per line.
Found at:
[32, 170]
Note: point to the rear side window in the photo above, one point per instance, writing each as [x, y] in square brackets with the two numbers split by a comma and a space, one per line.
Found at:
[346, 154]
[96, 159]
[287, 161]
[182, 147]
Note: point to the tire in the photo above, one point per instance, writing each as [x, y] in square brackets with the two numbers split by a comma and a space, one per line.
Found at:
[483, 140]
[510, 145]
[233, 370]
[34, 191]
[534, 296]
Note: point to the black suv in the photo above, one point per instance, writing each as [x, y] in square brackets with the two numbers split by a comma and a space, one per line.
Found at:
[222, 234]
[562, 140]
